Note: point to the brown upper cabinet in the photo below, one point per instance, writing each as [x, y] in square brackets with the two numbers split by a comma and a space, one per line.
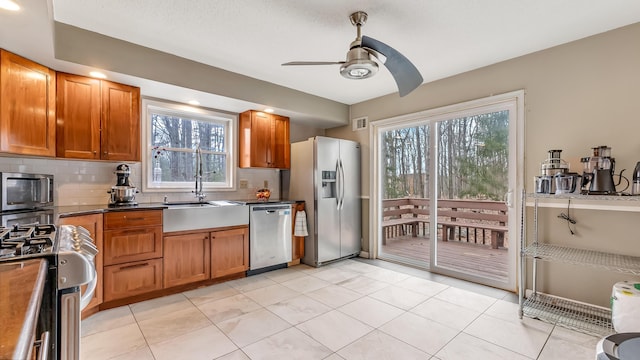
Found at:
[97, 119]
[27, 106]
[264, 140]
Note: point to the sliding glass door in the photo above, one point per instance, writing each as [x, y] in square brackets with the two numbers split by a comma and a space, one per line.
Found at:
[444, 185]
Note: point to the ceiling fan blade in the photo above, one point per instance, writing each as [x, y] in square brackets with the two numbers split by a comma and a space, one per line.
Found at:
[403, 71]
[313, 63]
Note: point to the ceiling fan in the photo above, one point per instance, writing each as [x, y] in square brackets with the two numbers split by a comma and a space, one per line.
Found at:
[359, 64]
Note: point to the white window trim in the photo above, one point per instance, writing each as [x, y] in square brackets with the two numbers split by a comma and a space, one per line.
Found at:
[198, 113]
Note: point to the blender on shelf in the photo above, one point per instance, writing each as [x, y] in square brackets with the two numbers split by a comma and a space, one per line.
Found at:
[599, 171]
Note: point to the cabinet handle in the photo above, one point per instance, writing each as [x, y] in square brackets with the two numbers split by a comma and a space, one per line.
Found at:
[134, 266]
[105, 153]
[136, 231]
[95, 152]
[132, 219]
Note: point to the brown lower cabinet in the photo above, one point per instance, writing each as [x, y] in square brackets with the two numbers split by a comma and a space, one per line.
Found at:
[196, 256]
[187, 258]
[132, 253]
[93, 223]
[229, 251]
[131, 279]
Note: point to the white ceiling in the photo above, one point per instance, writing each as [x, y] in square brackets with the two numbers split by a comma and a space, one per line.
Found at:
[250, 37]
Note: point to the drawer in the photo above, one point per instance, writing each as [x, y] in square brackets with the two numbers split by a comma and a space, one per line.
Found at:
[121, 219]
[126, 245]
[130, 279]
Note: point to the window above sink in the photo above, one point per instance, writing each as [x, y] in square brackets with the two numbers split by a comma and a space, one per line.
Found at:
[171, 134]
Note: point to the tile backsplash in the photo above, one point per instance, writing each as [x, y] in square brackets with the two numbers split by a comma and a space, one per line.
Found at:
[80, 182]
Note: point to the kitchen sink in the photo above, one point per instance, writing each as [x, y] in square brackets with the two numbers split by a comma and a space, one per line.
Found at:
[200, 204]
[191, 215]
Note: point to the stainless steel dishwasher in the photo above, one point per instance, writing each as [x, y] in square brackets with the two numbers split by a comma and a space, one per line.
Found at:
[269, 237]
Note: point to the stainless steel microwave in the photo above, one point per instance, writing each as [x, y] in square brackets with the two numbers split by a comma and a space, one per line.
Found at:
[25, 191]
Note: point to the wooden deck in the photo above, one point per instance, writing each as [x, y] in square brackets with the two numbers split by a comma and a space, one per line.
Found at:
[461, 256]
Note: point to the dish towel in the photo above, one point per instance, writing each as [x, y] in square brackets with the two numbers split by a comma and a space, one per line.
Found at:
[300, 228]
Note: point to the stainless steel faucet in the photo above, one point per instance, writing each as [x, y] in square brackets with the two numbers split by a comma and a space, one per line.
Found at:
[199, 194]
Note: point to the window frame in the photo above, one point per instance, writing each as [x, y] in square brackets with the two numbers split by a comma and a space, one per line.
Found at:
[196, 113]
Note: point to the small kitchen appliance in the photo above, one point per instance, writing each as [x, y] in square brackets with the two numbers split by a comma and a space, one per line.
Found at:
[635, 186]
[123, 193]
[602, 166]
[567, 183]
[550, 168]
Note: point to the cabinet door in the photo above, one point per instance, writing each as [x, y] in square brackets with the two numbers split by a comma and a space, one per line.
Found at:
[27, 106]
[255, 139]
[120, 138]
[229, 252]
[93, 223]
[78, 109]
[281, 149]
[130, 279]
[186, 259]
[125, 245]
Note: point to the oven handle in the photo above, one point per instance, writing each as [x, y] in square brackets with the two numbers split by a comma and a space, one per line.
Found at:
[43, 344]
[88, 293]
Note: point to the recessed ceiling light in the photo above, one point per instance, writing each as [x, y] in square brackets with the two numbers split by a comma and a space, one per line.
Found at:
[9, 5]
[96, 74]
[268, 110]
[194, 102]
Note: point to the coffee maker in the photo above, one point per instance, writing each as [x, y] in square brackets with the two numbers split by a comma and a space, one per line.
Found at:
[123, 193]
[601, 169]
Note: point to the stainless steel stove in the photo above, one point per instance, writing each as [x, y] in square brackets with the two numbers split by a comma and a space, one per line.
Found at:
[32, 240]
[26, 232]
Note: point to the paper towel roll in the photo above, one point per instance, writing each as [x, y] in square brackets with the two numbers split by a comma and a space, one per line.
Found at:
[625, 306]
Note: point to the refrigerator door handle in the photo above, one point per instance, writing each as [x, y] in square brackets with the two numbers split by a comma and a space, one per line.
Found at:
[342, 180]
[338, 185]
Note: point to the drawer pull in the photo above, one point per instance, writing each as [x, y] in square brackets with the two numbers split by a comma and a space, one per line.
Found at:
[134, 219]
[134, 266]
[137, 231]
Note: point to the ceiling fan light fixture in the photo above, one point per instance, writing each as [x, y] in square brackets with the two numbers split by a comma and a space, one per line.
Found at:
[359, 69]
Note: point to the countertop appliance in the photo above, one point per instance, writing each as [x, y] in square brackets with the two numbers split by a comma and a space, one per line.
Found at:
[269, 237]
[325, 173]
[21, 191]
[123, 193]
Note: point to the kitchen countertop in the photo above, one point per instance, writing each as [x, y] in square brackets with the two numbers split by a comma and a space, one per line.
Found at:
[74, 210]
[20, 305]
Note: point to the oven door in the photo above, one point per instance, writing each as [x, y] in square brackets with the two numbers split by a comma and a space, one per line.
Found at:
[76, 267]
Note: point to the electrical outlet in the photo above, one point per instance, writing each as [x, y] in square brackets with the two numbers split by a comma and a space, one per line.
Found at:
[244, 184]
[266, 184]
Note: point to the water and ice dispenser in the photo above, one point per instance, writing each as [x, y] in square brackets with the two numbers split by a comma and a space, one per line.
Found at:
[328, 184]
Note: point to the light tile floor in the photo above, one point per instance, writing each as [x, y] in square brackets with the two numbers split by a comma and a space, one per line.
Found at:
[353, 309]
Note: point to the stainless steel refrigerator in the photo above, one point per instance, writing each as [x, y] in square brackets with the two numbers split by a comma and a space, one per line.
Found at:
[325, 173]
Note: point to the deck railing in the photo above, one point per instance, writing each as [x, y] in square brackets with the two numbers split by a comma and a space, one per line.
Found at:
[473, 221]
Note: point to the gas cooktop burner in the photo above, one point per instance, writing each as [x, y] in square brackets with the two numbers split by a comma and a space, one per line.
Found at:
[22, 240]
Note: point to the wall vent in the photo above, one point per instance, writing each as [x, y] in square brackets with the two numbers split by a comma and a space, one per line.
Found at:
[360, 123]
